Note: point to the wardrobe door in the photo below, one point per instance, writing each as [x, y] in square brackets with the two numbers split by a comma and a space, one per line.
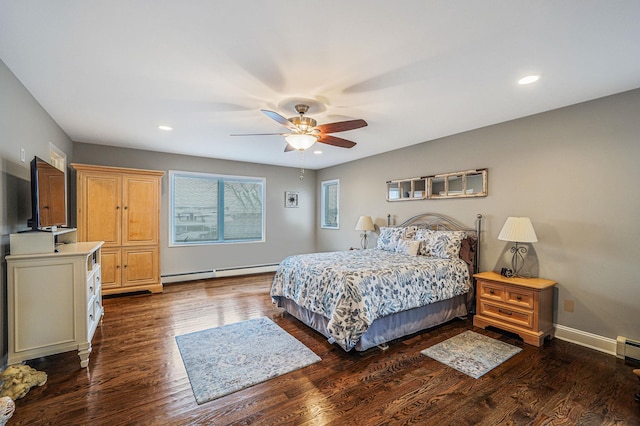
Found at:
[100, 209]
[141, 213]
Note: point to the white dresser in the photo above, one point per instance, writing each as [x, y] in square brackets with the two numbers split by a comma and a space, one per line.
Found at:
[54, 301]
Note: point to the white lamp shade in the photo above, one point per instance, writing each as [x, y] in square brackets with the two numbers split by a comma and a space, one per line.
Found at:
[518, 230]
[365, 223]
[301, 141]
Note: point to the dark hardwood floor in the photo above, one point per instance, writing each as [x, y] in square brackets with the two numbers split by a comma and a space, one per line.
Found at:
[136, 376]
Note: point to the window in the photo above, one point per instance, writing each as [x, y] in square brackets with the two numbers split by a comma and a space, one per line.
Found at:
[330, 204]
[211, 209]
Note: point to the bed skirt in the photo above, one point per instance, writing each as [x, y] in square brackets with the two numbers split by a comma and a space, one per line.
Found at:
[390, 327]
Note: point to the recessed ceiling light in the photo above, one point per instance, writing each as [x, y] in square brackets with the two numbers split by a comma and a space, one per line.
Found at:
[529, 79]
[317, 152]
[165, 128]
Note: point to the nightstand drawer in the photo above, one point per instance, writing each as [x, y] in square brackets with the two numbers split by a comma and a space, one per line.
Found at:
[491, 291]
[520, 298]
[507, 314]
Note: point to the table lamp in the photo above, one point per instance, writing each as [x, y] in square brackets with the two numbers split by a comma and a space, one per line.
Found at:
[518, 230]
[365, 224]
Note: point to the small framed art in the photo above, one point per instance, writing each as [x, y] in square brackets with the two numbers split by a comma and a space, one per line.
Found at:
[290, 199]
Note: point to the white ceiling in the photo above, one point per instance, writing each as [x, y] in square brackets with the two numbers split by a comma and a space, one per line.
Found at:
[110, 71]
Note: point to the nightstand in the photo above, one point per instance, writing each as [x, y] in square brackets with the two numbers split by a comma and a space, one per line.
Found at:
[521, 305]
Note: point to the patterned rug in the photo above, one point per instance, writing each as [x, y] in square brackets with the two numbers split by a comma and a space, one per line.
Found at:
[225, 359]
[471, 353]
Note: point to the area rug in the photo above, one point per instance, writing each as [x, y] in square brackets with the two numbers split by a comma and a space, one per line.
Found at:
[471, 353]
[226, 359]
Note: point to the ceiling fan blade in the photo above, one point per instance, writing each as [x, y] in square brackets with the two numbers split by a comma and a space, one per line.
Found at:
[280, 119]
[341, 126]
[259, 134]
[335, 141]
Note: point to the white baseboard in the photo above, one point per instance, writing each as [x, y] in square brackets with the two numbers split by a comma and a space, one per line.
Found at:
[589, 340]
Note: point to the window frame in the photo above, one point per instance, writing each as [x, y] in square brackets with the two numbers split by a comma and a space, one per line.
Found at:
[221, 178]
[324, 187]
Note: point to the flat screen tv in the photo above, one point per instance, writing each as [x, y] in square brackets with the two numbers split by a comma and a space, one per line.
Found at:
[48, 196]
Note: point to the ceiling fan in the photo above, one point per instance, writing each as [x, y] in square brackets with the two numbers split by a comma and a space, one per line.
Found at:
[304, 131]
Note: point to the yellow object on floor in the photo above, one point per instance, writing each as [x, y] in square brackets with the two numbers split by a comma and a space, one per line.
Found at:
[19, 379]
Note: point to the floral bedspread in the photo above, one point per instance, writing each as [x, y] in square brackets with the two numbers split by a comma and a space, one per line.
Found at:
[353, 288]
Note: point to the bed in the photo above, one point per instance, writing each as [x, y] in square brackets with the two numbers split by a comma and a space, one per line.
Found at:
[418, 276]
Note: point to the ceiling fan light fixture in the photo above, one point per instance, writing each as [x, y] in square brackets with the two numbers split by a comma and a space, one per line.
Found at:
[301, 141]
[304, 123]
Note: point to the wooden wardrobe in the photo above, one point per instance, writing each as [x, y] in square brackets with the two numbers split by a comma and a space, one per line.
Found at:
[121, 207]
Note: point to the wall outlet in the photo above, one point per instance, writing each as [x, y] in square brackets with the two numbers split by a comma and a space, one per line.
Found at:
[23, 156]
[569, 305]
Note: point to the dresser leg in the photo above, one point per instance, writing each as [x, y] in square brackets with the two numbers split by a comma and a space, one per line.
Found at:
[84, 351]
[532, 340]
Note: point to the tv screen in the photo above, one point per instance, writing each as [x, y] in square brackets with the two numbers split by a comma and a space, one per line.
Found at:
[48, 195]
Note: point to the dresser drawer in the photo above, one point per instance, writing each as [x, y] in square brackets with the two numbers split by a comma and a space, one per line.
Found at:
[91, 315]
[506, 314]
[91, 288]
[491, 291]
[93, 282]
[97, 281]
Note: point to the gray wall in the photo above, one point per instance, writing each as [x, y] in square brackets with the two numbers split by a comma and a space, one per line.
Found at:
[288, 230]
[574, 171]
[23, 124]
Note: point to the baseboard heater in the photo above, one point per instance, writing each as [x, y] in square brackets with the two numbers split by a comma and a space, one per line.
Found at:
[628, 348]
[246, 270]
[188, 276]
[218, 273]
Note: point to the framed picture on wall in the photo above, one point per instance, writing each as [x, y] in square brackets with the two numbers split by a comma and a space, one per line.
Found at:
[290, 199]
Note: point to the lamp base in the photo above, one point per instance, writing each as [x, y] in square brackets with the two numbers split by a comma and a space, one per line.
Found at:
[518, 255]
[363, 240]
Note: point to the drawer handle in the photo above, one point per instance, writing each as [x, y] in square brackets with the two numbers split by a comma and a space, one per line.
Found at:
[519, 297]
[91, 317]
[91, 289]
[491, 292]
[505, 312]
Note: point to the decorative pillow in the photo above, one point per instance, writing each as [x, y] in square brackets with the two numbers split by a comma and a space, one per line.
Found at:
[423, 235]
[409, 247]
[410, 232]
[441, 244]
[390, 237]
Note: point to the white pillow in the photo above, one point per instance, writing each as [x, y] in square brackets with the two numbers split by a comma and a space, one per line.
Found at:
[409, 247]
